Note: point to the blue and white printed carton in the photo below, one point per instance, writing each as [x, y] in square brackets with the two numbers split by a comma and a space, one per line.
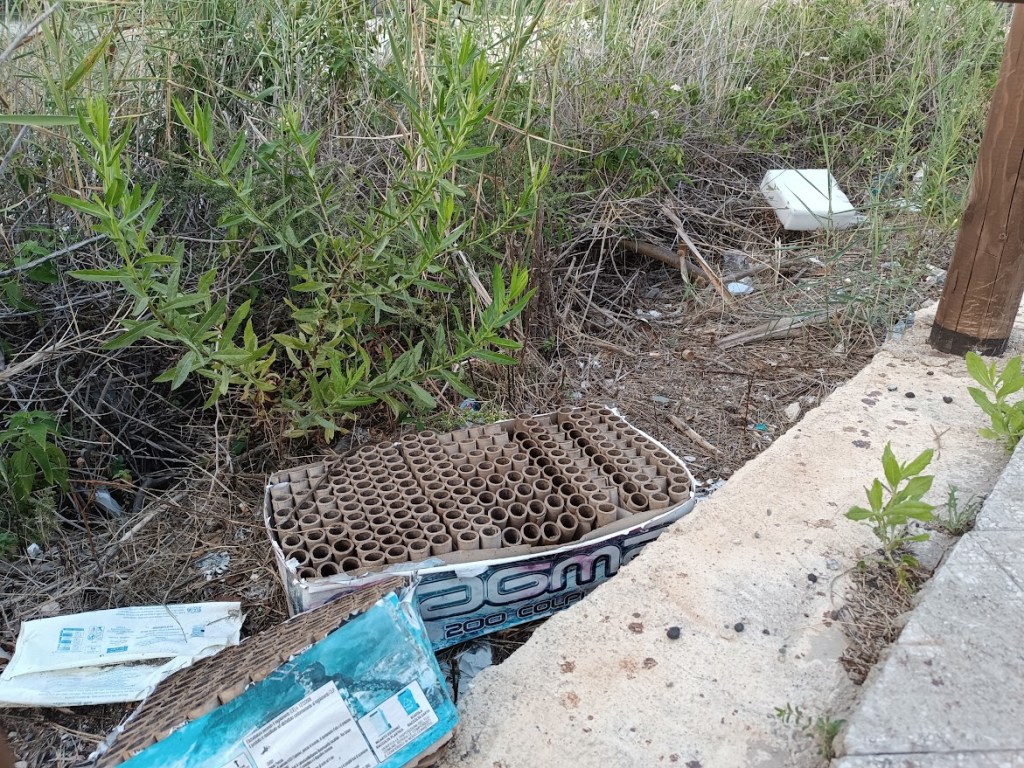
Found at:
[368, 695]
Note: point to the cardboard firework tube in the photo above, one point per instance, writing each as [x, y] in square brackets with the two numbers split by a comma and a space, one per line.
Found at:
[283, 506]
[484, 468]
[407, 525]
[519, 461]
[531, 474]
[342, 549]
[458, 526]
[381, 521]
[418, 549]
[541, 488]
[288, 525]
[536, 512]
[431, 528]
[320, 553]
[474, 456]
[452, 483]
[606, 513]
[494, 481]
[427, 518]
[362, 537]
[466, 471]
[476, 484]
[568, 527]
[413, 535]
[516, 515]
[492, 453]
[301, 557]
[280, 492]
[436, 492]
[678, 492]
[357, 526]
[511, 537]
[467, 540]
[396, 554]
[373, 559]
[574, 501]
[550, 533]
[635, 502]
[326, 568]
[331, 517]
[587, 517]
[479, 522]
[490, 537]
[317, 536]
[309, 521]
[530, 534]
[306, 572]
[290, 543]
[499, 516]
[451, 516]
[658, 500]
[487, 499]
[335, 533]
[391, 540]
[554, 505]
[505, 496]
[440, 544]
[350, 564]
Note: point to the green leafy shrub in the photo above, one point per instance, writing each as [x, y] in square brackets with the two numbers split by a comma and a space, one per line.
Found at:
[992, 397]
[374, 310]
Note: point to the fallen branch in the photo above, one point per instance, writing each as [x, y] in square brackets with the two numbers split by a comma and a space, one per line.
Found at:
[687, 430]
[779, 328]
[49, 257]
[663, 255]
[713, 278]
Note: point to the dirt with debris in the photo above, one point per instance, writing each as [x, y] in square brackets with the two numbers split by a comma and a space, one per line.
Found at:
[623, 331]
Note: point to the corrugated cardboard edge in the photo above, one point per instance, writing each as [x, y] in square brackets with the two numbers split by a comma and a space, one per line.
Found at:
[193, 692]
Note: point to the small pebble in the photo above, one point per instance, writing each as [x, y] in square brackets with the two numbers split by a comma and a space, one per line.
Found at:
[947, 399]
[765, 632]
[930, 373]
[673, 633]
[893, 387]
[812, 578]
[738, 626]
[910, 395]
[832, 564]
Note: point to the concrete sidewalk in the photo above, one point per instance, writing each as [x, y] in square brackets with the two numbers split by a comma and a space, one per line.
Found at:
[750, 577]
[951, 692]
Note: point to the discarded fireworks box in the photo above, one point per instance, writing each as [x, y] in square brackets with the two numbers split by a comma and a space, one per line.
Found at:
[499, 524]
[353, 684]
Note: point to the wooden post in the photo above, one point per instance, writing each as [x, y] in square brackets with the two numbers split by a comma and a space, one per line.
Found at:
[986, 275]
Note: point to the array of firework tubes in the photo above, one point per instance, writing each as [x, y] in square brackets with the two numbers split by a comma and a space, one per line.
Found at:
[533, 480]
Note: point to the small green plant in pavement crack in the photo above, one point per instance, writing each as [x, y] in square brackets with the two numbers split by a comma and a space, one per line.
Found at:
[995, 387]
[892, 504]
[823, 730]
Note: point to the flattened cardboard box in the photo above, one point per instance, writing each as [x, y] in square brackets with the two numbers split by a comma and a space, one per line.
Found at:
[306, 694]
[466, 594]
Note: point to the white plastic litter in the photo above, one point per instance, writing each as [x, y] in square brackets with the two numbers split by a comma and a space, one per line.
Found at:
[808, 199]
[110, 656]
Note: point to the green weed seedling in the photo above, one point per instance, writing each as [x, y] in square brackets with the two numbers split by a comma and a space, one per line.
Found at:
[996, 386]
[27, 451]
[823, 730]
[959, 516]
[894, 503]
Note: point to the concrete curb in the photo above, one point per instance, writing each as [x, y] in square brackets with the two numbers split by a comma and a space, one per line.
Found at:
[951, 691]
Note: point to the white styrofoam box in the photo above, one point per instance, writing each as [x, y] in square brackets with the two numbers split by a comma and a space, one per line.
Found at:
[808, 199]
